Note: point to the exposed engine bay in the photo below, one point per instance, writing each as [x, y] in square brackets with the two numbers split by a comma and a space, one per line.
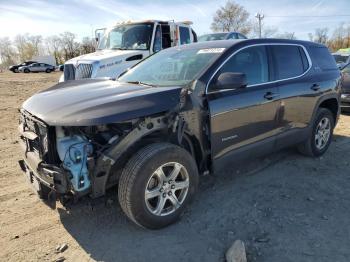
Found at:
[75, 145]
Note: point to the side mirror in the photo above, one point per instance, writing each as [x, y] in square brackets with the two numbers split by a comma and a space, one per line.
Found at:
[230, 80]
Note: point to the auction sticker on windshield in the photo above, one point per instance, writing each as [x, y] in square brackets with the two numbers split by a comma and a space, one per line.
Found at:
[211, 50]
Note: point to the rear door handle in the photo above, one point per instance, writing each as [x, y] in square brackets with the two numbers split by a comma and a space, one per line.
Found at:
[270, 95]
[315, 87]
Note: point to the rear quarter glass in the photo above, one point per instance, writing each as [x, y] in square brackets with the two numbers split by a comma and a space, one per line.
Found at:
[322, 58]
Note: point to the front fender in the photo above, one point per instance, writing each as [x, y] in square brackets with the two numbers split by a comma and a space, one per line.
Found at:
[115, 151]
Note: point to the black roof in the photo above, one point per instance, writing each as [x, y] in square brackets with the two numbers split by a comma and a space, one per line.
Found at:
[231, 43]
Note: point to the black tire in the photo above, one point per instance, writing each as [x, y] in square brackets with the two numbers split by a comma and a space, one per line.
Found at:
[48, 71]
[137, 174]
[26, 70]
[309, 147]
[15, 70]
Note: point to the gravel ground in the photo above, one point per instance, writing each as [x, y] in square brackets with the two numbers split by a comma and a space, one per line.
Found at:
[285, 207]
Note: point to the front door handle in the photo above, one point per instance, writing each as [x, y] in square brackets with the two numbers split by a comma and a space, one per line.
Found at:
[315, 87]
[270, 95]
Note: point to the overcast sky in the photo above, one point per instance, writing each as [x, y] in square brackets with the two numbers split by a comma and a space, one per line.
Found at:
[81, 16]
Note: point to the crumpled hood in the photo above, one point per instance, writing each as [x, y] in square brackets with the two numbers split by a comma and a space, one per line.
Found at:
[101, 55]
[96, 102]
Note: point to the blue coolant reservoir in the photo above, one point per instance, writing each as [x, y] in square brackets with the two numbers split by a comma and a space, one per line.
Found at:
[73, 152]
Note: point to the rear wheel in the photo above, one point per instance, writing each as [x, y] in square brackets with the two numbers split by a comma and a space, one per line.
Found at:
[48, 71]
[156, 185]
[321, 136]
[26, 70]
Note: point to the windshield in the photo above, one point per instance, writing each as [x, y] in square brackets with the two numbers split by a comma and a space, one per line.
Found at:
[340, 58]
[128, 37]
[172, 66]
[212, 37]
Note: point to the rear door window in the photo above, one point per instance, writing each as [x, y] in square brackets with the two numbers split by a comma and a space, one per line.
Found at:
[184, 35]
[289, 61]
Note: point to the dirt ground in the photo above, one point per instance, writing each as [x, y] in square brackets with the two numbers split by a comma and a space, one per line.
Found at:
[285, 207]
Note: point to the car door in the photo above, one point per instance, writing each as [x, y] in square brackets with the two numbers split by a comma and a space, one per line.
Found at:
[243, 120]
[299, 89]
[42, 67]
[34, 67]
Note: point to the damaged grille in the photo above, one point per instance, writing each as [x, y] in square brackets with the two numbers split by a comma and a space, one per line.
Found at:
[44, 142]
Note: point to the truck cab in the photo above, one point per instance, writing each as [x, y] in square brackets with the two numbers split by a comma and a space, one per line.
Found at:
[125, 44]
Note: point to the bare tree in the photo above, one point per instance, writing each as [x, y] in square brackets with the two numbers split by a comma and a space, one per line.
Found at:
[7, 52]
[87, 45]
[53, 44]
[69, 45]
[24, 52]
[321, 35]
[36, 43]
[287, 35]
[339, 35]
[231, 17]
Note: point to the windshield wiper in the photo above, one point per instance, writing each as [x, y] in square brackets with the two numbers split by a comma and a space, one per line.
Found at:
[140, 83]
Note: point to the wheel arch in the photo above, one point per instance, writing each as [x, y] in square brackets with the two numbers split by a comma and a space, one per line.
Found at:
[330, 102]
[189, 142]
[332, 105]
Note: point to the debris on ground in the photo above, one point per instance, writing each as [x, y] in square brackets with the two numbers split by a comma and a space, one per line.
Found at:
[236, 253]
[60, 259]
[61, 248]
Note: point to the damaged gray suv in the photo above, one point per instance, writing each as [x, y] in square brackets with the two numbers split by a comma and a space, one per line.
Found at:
[182, 112]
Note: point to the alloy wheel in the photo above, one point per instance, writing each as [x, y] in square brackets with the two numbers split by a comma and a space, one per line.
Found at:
[323, 133]
[167, 189]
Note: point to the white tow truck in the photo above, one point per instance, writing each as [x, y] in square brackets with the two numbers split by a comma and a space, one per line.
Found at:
[126, 44]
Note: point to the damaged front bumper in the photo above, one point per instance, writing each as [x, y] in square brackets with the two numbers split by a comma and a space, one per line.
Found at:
[49, 182]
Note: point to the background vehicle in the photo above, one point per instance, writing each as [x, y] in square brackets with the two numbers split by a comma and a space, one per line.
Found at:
[46, 59]
[15, 68]
[60, 68]
[221, 36]
[126, 44]
[345, 96]
[342, 57]
[179, 113]
[37, 67]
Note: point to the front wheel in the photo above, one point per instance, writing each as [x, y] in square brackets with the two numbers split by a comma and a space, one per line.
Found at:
[26, 70]
[321, 136]
[156, 185]
[48, 71]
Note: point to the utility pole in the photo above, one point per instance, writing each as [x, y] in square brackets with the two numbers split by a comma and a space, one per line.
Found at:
[260, 17]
